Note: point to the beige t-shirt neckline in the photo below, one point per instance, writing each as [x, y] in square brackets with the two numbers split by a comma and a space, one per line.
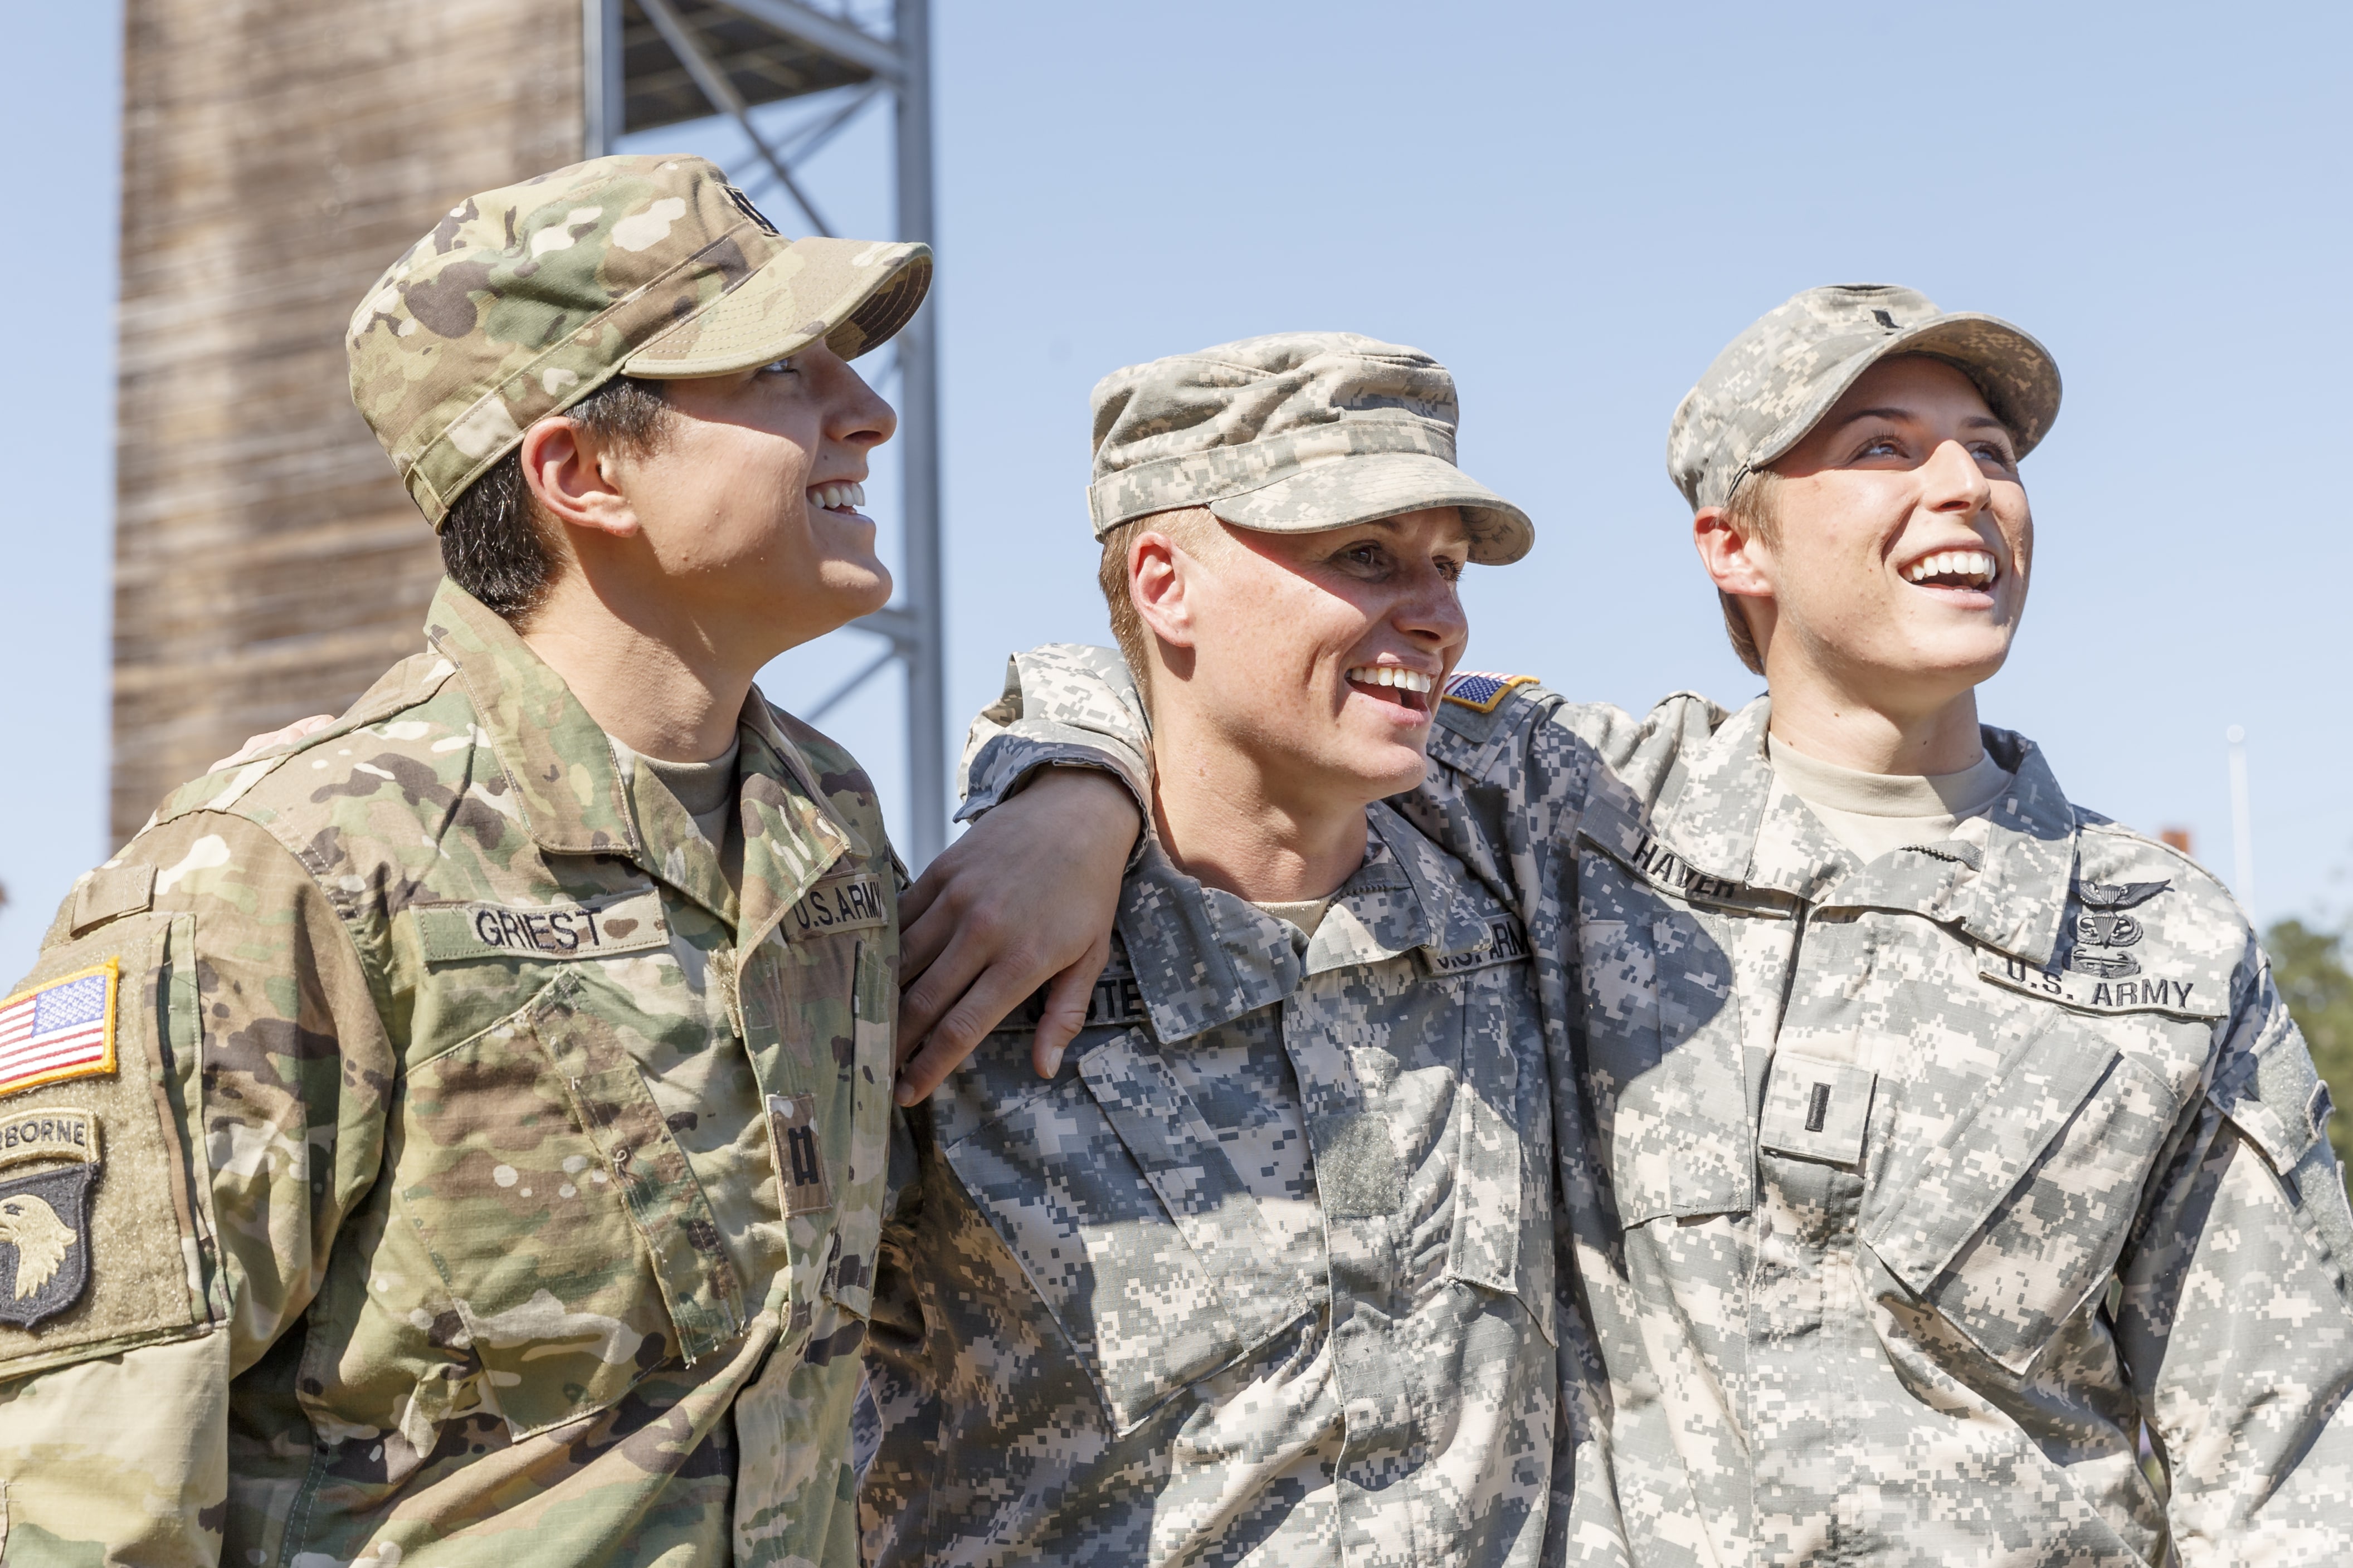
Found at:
[1871, 814]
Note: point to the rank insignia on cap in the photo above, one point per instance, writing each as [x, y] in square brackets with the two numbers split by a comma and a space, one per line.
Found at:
[45, 1214]
[1482, 689]
[60, 1030]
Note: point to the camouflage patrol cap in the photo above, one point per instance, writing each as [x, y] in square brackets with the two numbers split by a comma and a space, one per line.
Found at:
[1289, 433]
[1778, 378]
[526, 299]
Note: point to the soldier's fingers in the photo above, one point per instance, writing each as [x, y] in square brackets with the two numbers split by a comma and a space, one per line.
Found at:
[922, 1004]
[1067, 996]
[1014, 974]
[927, 918]
[257, 744]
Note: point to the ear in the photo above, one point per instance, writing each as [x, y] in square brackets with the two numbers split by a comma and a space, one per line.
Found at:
[1159, 578]
[573, 479]
[1739, 564]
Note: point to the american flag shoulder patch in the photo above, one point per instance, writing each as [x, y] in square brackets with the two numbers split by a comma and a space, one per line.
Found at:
[62, 1029]
[1482, 690]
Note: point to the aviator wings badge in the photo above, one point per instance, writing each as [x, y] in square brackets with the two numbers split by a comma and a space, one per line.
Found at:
[2104, 926]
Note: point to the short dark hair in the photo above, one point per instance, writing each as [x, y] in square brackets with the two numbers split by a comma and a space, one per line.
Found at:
[495, 545]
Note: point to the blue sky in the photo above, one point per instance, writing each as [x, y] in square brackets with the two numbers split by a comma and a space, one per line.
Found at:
[1573, 207]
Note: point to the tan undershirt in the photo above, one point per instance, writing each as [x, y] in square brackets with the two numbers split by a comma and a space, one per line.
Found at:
[1872, 814]
[707, 791]
[1304, 913]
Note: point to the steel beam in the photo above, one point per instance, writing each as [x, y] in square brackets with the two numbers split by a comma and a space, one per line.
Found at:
[823, 32]
[724, 96]
[919, 431]
[604, 95]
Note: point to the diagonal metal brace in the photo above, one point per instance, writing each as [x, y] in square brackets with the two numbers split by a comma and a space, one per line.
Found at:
[723, 95]
[819, 31]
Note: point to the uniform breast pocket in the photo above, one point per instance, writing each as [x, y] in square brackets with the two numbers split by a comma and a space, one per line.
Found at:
[1131, 1224]
[1502, 1238]
[1662, 1062]
[823, 1024]
[577, 1248]
[2015, 1222]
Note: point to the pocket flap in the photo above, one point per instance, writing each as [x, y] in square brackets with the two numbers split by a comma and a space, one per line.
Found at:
[1988, 1150]
[1130, 1223]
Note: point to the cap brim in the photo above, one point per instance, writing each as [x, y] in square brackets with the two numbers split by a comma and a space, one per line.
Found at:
[2016, 374]
[1367, 487]
[851, 294]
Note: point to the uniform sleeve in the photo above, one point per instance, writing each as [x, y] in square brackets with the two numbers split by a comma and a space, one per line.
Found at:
[2234, 1322]
[241, 1119]
[1065, 706]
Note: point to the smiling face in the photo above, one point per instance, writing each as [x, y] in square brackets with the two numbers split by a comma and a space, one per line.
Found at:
[736, 529]
[751, 506]
[1894, 569]
[1315, 656]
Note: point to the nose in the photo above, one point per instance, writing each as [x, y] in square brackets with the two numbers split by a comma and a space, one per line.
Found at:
[1951, 481]
[854, 414]
[1431, 611]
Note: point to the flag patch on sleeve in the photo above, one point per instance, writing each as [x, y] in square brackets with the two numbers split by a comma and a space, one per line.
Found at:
[1482, 690]
[60, 1030]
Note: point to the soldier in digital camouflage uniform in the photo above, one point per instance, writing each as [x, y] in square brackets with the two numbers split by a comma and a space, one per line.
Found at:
[1935, 1157]
[1267, 1271]
[422, 1145]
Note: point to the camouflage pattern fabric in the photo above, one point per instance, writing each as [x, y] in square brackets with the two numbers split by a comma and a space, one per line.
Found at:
[1289, 433]
[1773, 382]
[483, 1177]
[524, 301]
[1911, 1191]
[1265, 1274]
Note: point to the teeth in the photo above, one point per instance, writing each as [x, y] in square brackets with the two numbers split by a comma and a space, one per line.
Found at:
[1392, 675]
[1973, 566]
[831, 497]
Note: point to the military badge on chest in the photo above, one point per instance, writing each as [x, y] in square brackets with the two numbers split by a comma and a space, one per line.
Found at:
[2104, 931]
[48, 1163]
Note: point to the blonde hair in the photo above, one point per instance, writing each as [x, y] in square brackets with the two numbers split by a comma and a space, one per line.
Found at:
[1195, 530]
[1753, 512]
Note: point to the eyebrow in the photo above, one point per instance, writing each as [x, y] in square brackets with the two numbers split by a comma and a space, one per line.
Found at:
[1974, 422]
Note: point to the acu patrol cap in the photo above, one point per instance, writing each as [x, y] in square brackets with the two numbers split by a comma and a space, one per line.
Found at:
[526, 299]
[1291, 432]
[1774, 381]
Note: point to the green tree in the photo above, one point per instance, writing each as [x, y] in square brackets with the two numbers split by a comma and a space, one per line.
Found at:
[2309, 964]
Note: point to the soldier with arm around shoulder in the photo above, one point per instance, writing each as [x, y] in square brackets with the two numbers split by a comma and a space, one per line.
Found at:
[460, 1134]
[1264, 1270]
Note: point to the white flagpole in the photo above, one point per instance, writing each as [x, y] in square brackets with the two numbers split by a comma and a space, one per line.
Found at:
[2243, 828]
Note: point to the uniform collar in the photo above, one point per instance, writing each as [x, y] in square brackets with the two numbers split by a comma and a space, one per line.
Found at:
[1724, 811]
[574, 798]
[1203, 957]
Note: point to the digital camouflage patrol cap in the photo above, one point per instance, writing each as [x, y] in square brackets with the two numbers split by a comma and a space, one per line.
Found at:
[1778, 378]
[1289, 433]
[526, 299]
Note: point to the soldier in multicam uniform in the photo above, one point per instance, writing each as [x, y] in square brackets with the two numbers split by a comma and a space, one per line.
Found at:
[1266, 1272]
[460, 1137]
[1942, 1138]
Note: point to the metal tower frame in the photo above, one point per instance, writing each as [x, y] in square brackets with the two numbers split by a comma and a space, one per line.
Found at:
[655, 62]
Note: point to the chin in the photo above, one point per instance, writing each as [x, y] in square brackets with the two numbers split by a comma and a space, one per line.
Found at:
[862, 587]
[1386, 776]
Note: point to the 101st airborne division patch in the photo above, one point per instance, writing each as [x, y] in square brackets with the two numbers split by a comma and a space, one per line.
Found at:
[45, 1211]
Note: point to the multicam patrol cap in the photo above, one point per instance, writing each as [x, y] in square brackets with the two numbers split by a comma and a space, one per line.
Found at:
[526, 299]
[1290, 433]
[1779, 376]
